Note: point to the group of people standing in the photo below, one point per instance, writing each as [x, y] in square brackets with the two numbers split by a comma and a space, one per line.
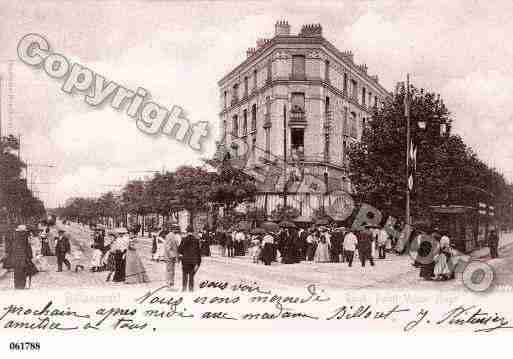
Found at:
[318, 244]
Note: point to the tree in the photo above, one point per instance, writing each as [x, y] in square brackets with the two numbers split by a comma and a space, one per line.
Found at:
[16, 201]
[192, 190]
[231, 187]
[444, 164]
[161, 192]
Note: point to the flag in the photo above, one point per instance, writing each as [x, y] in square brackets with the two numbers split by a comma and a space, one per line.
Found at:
[412, 165]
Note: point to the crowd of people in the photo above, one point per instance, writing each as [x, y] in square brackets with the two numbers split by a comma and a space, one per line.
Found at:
[116, 254]
[320, 244]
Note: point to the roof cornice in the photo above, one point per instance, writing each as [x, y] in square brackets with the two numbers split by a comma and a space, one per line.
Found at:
[296, 40]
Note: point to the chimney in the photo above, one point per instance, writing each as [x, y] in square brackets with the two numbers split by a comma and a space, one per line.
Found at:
[349, 55]
[250, 52]
[311, 30]
[282, 28]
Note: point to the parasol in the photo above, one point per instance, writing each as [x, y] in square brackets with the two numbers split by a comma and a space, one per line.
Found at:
[258, 231]
[270, 226]
[287, 224]
[322, 222]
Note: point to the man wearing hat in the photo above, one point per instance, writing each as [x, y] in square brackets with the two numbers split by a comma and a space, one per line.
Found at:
[190, 254]
[21, 256]
[365, 245]
[62, 247]
[172, 241]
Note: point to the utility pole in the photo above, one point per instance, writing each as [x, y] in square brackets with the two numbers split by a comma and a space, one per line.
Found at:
[408, 140]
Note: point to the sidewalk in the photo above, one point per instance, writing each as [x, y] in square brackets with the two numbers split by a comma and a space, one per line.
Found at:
[506, 240]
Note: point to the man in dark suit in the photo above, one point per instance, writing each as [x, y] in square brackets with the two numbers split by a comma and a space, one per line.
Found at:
[61, 248]
[21, 255]
[365, 246]
[190, 255]
[493, 243]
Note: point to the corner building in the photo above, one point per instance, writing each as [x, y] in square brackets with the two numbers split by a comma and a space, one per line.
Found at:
[294, 106]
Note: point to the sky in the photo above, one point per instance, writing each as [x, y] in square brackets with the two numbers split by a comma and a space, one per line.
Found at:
[179, 50]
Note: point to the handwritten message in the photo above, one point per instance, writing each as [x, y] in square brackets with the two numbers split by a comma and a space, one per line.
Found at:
[153, 309]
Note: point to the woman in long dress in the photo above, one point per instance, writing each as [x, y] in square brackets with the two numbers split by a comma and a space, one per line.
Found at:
[45, 243]
[119, 250]
[134, 270]
[268, 249]
[322, 253]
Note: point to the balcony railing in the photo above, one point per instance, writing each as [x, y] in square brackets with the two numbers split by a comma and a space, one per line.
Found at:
[298, 77]
[297, 117]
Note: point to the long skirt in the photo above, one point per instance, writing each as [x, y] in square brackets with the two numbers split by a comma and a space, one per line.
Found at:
[441, 267]
[45, 249]
[427, 270]
[322, 254]
[268, 253]
[20, 277]
[135, 271]
[111, 261]
[119, 273]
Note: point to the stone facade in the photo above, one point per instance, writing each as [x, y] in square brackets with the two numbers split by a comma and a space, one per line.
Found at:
[324, 96]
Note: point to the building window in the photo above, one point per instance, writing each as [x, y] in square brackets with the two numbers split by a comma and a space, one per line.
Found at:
[354, 90]
[297, 139]
[354, 126]
[298, 102]
[345, 84]
[298, 67]
[224, 129]
[268, 105]
[269, 71]
[253, 117]
[370, 99]
[235, 126]
[244, 122]
[327, 70]
[255, 79]
[246, 86]
[364, 96]
[375, 101]
[235, 93]
[225, 99]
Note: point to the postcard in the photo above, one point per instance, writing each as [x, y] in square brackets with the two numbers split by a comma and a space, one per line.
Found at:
[248, 167]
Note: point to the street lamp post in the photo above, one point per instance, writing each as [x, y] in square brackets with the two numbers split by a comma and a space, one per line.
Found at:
[408, 145]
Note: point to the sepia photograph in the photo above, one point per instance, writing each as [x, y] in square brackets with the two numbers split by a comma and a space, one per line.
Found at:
[268, 165]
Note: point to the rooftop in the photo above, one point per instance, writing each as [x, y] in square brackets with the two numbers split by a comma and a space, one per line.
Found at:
[310, 33]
